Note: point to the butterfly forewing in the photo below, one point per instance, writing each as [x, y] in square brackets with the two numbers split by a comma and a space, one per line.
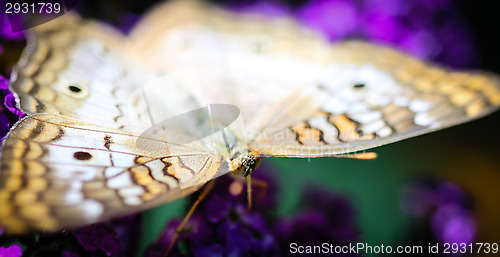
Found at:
[301, 95]
[76, 68]
[368, 95]
[251, 61]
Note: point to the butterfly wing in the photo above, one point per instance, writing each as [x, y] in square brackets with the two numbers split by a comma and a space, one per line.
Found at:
[58, 173]
[367, 96]
[240, 58]
[300, 95]
[78, 69]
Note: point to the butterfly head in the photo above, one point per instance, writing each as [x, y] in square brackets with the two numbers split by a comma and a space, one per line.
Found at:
[244, 163]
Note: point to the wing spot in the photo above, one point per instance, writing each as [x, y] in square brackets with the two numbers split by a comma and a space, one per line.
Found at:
[74, 88]
[359, 86]
[82, 156]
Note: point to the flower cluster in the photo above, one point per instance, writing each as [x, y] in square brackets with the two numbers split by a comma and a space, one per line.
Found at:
[117, 237]
[426, 29]
[444, 208]
[222, 227]
[11, 251]
[9, 114]
[6, 30]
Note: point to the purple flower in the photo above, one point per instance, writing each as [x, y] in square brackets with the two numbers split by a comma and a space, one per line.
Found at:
[426, 29]
[262, 7]
[4, 119]
[335, 18]
[9, 114]
[69, 254]
[221, 225]
[97, 237]
[323, 217]
[443, 206]
[11, 251]
[384, 28]
[158, 247]
[117, 237]
[128, 229]
[6, 29]
[127, 21]
[453, 224]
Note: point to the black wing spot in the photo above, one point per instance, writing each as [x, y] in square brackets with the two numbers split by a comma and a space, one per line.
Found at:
[75, 88]
[82, 156]
[359, 85]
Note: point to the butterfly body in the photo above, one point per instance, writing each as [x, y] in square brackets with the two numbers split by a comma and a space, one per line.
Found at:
[119, 124]
[244, 163]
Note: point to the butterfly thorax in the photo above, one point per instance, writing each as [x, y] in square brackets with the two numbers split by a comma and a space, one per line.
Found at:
[243, 162]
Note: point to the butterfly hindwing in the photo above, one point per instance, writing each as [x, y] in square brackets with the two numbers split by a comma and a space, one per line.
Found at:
[58, 173]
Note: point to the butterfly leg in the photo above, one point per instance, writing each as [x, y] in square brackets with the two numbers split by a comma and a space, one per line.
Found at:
[179, 229]
[249, 193]
[253, 182]
[250, 183]
[263, 187]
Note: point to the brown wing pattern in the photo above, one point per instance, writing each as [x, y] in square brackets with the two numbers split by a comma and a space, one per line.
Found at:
[58, 173]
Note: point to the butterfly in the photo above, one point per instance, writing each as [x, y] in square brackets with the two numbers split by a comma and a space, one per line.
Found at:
[122, 123]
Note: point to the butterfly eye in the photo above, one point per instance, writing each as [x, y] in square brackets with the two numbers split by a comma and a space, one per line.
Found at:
[75, 88]
[82, 156]
[359, 85]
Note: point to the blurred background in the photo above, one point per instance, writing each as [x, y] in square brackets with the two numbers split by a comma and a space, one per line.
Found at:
[441, 187]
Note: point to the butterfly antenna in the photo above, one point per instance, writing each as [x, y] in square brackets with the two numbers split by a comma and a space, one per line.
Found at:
[179, 229]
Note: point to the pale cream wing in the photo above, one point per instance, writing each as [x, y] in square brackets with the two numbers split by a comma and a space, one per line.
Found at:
[76, 68]
[300, 95]
[241, 59]
[367, 96]
[57, 173]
